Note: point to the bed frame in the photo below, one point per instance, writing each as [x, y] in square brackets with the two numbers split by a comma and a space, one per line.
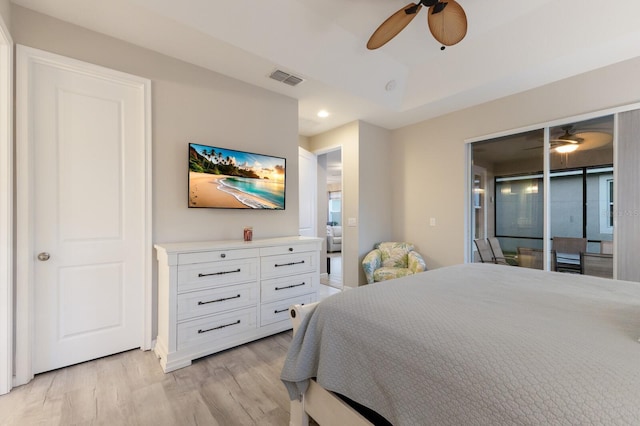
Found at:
[318, 403]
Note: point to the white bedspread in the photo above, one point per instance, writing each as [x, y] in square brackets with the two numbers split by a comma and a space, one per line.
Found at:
[478, 344]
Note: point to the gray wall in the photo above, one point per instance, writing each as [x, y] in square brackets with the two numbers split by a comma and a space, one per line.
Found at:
[5, 12]
[375, 190]
[189, 104]
[366, 189]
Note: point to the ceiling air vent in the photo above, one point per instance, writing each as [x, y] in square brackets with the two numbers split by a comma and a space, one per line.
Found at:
[286, 78]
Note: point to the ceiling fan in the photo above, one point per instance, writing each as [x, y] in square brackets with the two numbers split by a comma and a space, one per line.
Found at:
[567, 142]
[568, 137]
[571, 139]
[447, 23]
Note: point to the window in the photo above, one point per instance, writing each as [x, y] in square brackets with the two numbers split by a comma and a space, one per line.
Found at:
[606, 204]
[335, 207]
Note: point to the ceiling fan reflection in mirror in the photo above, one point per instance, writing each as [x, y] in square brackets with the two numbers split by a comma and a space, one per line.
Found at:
[570, 140]
[567, 142]
[447, 23]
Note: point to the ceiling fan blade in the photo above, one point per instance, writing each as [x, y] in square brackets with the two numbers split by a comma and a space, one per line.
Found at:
[392, 26]
[563, 140]
[449, 24]
[553, 144]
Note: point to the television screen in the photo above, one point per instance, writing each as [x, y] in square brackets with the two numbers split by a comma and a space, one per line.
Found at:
[228, 179]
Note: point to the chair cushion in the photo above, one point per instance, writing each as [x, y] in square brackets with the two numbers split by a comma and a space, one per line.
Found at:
[387, 273]
[395, 254]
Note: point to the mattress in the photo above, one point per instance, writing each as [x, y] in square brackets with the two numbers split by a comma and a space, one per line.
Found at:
[478, 344]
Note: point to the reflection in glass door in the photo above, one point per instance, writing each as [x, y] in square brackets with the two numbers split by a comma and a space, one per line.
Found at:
[520, 217]
[580, 193]
[479, 204]
[514, 193]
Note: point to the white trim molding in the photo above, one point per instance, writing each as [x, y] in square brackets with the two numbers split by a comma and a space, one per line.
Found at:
[6, 209]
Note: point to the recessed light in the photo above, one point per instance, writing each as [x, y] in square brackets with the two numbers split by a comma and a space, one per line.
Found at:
[323, 113]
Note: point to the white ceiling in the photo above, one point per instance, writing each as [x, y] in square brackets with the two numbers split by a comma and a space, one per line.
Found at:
[510, 46]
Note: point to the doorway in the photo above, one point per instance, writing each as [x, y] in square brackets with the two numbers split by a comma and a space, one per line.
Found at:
[333, 212]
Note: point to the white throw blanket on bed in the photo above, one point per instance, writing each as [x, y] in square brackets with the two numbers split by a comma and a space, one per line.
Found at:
[478, 344]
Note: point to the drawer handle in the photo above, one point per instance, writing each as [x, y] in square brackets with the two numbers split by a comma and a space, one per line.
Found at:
[293, 315]
[218, 300]
[289, 264]
[218, 327]
[290, 286]
[219, 273]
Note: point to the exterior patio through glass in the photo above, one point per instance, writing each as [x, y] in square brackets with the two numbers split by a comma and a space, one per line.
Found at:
[563, 175]
[581, 206]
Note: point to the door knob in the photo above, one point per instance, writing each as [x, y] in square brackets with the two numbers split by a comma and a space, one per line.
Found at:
[43, 256]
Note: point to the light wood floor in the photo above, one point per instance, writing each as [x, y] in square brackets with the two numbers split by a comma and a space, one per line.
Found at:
[334, 279]
[240, 386]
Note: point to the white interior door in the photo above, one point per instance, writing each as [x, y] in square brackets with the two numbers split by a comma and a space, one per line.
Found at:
[87, 206]
[308, 200]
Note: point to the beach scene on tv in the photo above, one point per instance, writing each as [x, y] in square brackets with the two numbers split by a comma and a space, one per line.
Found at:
[224, 178]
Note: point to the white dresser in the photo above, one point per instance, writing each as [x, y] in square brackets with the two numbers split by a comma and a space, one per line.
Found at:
[216, 295]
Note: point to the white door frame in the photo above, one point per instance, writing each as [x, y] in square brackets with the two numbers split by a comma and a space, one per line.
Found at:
[26, 58]
[322, 151]
[6, 209]
[303, 153]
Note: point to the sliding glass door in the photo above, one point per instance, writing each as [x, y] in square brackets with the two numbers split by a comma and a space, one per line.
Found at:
[579, 199]
[514, 192]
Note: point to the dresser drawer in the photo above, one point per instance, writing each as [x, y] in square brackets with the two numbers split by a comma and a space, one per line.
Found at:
[216, 255]
[288, 249]
[282, 288]
[212, 274]
[219, 299]
[215, 327]
[288, 264]
[279, 311]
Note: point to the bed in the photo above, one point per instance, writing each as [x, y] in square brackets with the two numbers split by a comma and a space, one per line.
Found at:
[470, 344]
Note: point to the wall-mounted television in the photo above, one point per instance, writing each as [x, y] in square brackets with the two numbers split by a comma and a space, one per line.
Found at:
[228, 179]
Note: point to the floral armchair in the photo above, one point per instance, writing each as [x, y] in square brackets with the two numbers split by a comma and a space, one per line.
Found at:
[390, 260]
